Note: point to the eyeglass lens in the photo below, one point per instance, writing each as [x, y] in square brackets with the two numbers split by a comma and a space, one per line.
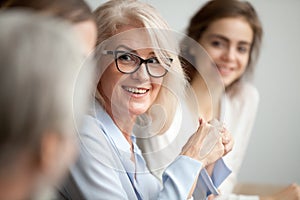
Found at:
[129, 63]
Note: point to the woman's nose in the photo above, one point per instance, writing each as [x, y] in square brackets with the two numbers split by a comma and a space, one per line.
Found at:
[141, 74]
[229, 54]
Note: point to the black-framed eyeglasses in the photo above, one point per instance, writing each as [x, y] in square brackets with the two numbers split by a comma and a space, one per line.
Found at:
[129, 63]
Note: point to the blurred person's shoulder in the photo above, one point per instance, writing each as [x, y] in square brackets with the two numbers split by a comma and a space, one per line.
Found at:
[243, 90]
[243, 93]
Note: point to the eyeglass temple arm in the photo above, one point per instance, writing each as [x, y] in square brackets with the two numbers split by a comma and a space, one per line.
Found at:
[108, 52]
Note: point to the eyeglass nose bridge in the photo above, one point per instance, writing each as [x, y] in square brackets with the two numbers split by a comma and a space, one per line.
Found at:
[139, 64]
[147, 67]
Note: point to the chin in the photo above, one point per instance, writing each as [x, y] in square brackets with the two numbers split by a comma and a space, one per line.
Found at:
[138, 111]
[138, 108]
[227, 82]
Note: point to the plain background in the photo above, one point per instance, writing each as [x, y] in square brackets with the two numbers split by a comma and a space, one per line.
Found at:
[273, 152]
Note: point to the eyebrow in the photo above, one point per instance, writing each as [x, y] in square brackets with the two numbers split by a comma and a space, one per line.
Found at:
[130, 50]
[227, 40]
[126, 48]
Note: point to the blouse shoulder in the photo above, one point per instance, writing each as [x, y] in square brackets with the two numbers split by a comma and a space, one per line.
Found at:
[244, 92]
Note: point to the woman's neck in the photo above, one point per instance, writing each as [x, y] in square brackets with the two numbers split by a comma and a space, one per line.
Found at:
[124, 122]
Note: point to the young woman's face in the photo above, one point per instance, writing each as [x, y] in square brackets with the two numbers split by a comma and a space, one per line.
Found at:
[134, 93]
[228, 42]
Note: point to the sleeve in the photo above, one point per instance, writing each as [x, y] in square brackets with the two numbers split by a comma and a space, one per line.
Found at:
[92, 178]
[207, 185]
[220, 173]
[240, 113]
[179, 177]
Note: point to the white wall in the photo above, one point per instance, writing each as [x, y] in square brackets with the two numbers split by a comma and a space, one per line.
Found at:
[273, 153]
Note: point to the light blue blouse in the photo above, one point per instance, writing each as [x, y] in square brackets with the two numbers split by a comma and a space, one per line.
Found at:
[105, 170]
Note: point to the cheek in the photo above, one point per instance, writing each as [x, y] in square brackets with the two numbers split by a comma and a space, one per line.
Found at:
[157, 85]
[108, 82]
[244, 60]
[156, 88]
[214, 54]
[157, 81]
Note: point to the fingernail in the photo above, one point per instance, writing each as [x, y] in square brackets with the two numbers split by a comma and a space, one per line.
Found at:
[200, 121]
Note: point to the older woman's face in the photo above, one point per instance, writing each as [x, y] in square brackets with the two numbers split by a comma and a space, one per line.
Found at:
[228, 42]
[130, 93]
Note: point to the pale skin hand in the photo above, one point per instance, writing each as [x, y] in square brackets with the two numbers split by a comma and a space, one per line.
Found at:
[228, 142]
[194, 144]
[292, 192]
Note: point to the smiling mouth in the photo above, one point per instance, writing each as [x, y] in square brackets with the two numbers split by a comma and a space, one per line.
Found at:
[135, 90]
[225, 70]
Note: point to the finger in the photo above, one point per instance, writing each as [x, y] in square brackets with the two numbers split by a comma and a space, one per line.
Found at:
[200, 121]
[226, 138]
[222, 151]
[228, 147]
[223, 130]
[221, 146]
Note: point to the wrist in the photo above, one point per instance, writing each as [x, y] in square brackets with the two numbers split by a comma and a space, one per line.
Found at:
[204, 162]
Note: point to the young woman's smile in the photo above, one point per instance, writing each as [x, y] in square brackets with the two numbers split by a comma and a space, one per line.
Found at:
[228, 41]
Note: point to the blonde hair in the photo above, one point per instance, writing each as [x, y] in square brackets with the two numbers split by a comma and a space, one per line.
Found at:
[116, 13]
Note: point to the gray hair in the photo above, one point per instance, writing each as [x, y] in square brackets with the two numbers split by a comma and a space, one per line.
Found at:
[41, 65]
[114, 14]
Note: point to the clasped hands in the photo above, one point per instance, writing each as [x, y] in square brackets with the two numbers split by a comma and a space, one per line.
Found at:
[209, 143]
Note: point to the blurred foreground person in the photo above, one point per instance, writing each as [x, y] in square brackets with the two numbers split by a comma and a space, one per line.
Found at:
[38, 104]
[76, 12]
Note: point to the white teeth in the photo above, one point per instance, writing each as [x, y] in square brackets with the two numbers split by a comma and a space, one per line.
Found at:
[135, 90]
[225, 68]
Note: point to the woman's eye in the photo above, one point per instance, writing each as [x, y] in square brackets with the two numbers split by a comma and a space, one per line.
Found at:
[243, 49]
[153, 61]
[216, 43]
[125, 57]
